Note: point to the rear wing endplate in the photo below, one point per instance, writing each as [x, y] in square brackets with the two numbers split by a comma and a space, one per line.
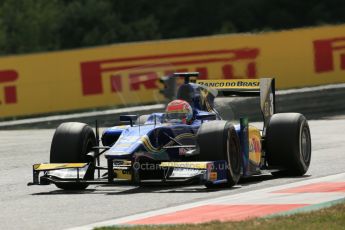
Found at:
[263, 87]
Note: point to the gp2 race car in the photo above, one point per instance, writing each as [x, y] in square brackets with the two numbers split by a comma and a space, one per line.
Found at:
[210, 150]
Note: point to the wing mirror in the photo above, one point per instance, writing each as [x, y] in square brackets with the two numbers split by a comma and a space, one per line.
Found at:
[130, 118]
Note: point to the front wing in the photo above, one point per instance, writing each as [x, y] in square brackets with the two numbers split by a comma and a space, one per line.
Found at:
[209, 172]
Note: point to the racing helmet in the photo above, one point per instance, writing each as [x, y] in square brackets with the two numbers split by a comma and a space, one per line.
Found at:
[179, 111]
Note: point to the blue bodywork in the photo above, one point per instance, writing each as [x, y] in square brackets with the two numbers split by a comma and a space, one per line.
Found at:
[151, 139]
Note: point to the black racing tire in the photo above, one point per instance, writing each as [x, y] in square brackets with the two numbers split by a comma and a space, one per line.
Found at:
[288, 144]
[218, 140]
[71, 143]
[142, 119]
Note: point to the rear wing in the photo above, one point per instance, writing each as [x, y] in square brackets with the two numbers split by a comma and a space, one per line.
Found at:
[263, 87]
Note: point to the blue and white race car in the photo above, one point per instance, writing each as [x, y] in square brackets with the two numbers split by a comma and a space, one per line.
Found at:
[189, 143]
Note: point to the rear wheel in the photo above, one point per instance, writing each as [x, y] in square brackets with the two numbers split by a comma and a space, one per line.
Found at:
[288, 144]
[71, 143]
[217, 140]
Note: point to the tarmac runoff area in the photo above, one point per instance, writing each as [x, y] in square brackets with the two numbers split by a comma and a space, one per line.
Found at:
[47, 207]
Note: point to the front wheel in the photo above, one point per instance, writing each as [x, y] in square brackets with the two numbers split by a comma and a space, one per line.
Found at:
[288, 144]
[71, 143]
[217, 140]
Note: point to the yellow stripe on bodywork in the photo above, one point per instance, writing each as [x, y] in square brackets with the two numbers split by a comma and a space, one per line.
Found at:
[147, 143]
[192, 165]
[43, 167]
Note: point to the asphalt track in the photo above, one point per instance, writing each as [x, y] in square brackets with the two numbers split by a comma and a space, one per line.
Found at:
[38, 207]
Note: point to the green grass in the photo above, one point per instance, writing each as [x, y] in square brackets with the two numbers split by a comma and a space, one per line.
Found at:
[328, 218]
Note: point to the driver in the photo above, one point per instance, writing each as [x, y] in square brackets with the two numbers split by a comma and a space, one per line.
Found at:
[179, 111]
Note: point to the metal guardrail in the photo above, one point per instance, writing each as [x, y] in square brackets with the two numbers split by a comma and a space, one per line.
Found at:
[313, 102]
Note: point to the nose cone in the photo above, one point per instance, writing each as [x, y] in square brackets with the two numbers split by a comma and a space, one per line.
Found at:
[130, 142]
